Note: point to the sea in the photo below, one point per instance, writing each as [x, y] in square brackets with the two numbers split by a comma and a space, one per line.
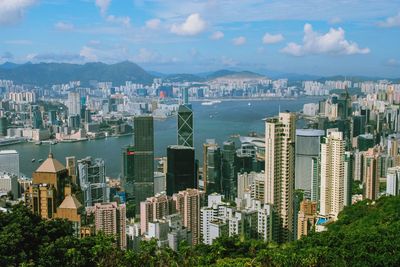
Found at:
[220, 121]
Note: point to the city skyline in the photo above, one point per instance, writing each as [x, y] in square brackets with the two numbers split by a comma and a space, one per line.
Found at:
[200, 36]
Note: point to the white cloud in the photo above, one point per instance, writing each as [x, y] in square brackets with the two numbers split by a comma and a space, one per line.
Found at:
[103, 5]
[332, 42]
[193, 25]
[18, 42]
[392, 62]
[335, 20]
[88, 53]
[272, 38]
[125, 21]
[145, 56]
[391, 22]
[153, 24]
[12, 11]
[239, 40]
[217, 35]
[64, 26]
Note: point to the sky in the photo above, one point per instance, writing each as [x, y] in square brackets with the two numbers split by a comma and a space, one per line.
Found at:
[319, 37]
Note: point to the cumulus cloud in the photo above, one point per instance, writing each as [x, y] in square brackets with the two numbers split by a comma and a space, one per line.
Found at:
[88, 53]
[217, 35]
[193, 25]
[153, 24]
[64, 26]
[332, 42]
[390, 22]
[103, 5]
[124, 21]
[146, 55]
[272, 38]
[335, 20]
[239, 40]
[12, 11]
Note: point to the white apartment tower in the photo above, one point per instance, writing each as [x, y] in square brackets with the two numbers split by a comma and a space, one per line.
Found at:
[279, 173]
[332, 174]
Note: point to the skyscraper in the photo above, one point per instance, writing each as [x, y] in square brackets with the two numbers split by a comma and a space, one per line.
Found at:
[211, 167]
[181, 169]
[228, 171]
[332, 174]
[92, 179]
[307, 147]
[71, 167]
[128, 171]
[143, 159]
[279, 173]
[185, 125]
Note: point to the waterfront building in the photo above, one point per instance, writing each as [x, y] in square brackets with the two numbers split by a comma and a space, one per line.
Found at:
[181, 169]
[9, 183]
[74, 103]
[92, 180]
[280, 173]
[9, 162]
[3, 126]
[128, 171]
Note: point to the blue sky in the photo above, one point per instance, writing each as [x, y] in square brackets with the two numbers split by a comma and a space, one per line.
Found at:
[322, 37]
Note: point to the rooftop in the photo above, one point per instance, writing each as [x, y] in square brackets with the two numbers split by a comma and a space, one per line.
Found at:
[51, 165]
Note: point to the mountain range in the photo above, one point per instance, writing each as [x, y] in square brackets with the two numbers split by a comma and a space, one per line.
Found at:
[46, 74]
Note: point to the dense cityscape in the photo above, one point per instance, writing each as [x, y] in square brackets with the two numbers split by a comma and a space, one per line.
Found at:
[155, 166]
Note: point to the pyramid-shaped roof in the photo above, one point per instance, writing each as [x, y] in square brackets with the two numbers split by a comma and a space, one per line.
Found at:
[51, 165]
[70, 202]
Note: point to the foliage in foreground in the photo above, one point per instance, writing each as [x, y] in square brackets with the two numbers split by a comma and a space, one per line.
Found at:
[366, 234]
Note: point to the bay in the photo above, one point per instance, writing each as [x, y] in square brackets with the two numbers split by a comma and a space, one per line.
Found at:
[219, 122]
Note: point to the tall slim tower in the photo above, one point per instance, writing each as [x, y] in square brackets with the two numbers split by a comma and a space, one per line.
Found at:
[332, 174]
[74, 103]
[143, 159]
[185, 125]
[279, 173]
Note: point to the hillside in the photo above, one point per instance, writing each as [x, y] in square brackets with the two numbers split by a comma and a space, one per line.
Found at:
[366, 234]
[54, 73]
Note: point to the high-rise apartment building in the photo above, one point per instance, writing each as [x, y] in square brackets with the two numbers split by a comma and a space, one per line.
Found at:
[332, 174]
[181, 169]
[280, 172]
[371, 174]
[393, 181]
[110, 219]
[306, 218]
[185, 125]
[74, 104]
[188, 203]
[154, 208]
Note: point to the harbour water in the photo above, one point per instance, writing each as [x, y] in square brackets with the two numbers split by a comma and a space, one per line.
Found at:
[218, 121]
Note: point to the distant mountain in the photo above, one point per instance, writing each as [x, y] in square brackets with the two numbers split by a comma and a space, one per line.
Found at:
[183, 78]
[54, 73]
[8, 65]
